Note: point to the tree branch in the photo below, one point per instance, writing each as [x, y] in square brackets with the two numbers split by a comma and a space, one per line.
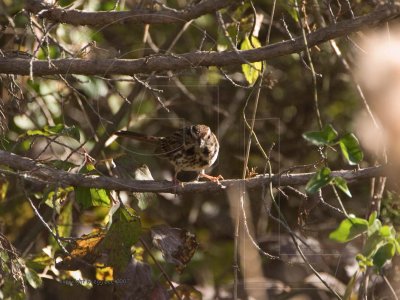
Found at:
[33, 171]
[21, 66]
[104, 18]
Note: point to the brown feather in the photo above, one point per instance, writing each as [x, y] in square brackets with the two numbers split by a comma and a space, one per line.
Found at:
[138, 136]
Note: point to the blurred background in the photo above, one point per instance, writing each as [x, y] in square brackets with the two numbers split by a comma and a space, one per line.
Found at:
[160, 103]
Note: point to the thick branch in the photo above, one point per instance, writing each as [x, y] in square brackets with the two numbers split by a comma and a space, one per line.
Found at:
[21, 66]
[31, 170]
[104, 18]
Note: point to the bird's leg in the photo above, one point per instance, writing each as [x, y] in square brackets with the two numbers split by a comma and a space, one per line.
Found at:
[176, 182]
[211, 178]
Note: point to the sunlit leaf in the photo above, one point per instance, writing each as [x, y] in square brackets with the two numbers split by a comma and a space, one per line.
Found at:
[342, 185]
[104, 273]
[39, 262]
[88, 197]
[82, 251]
[351, 149]
[374, 226]
[385, 231]
[65, 220]
[4, 184]
[251, 71]
[56, 198]
[33, 278]
[59, 129]
[349, 229]
[372, 217]
[320, 179]
[372, 244]
[324, 137]
[99, 197]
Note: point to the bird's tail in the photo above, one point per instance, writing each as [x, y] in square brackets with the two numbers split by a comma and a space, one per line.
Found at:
[138, 136]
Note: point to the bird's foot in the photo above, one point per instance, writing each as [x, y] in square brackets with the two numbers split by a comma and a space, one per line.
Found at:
[215, 179]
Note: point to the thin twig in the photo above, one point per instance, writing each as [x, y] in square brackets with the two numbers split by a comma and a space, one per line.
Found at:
[160, 268]
[46, 225]
[311, 65]
[390, 287]
[148, 64]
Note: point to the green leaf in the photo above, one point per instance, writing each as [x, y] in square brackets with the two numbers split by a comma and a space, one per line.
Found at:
[324, 137]
[65, 220]
[373, 243]
[89, 168]
[251, 71]
[372, 217]
[384, 253]
[290, 7]
[100, 197]
[83, 197]
[123, 233]
[320, 179]
[374, 226]
[4, 185]
[88, 197]
[55, 198]
[223, 41]
[385, 231]
[33, 278]
[349, 229]
[351, 149]
[39, 262]
[61, 164]
[342, 185]
[397, 245]
[59, 129]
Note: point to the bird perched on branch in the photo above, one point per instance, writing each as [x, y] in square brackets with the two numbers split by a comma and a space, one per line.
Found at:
[192, 148]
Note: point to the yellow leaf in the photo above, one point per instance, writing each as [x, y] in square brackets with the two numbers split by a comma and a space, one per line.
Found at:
[251, 71]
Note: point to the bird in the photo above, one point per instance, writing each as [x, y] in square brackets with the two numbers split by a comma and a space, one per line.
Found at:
[191, 148]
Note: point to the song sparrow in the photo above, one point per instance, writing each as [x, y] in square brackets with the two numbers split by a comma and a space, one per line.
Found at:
[192, 148]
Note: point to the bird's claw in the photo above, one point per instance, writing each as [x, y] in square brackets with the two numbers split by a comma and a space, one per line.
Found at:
[215, 179]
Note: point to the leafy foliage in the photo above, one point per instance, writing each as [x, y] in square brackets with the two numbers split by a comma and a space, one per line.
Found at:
[381, 243]
[351, 149]
[59, 129]
[321, 138]
[88, 197]
[320, 179]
